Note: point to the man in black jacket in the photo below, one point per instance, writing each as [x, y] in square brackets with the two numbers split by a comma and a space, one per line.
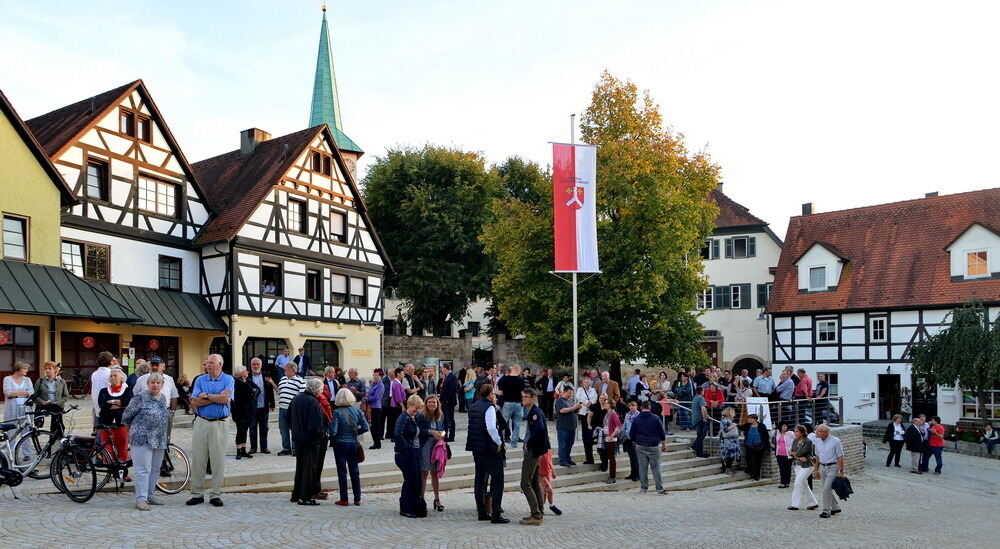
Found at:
[484, 441]
[308, 426]
[914, 441]
[536, 443]
[546, 385]
[448, 391]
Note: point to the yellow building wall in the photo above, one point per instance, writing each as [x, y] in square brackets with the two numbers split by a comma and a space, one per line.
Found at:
[27, 191]
[359, 345]
[194, 344]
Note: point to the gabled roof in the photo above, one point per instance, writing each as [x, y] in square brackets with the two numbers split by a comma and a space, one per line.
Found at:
[237, 184]
[59, 129]
[971, 225]
[65, 192]
[731, 213]
[829, 247]
[896, 251]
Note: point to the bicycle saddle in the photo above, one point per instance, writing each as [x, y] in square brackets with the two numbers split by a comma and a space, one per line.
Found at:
[7, 426]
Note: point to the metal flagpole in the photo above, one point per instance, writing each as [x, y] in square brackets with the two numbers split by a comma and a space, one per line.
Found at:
[576, 344]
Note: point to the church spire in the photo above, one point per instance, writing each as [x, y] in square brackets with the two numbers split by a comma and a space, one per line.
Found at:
[325, 101]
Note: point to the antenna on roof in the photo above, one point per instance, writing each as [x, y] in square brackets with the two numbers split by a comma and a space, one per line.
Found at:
[284, 151]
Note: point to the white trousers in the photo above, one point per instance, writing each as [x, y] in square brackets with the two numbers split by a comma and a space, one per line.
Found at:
[802, 486]
[147, 469]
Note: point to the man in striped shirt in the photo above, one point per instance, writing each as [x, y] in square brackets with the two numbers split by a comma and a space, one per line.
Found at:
[289, 386]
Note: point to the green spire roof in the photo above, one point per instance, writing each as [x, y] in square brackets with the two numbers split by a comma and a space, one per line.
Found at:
[325, 103]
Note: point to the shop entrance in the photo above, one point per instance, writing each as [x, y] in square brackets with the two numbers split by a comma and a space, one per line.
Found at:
[80, 350]
[18, 344]
[322, 353]
[266, 349]
[146, 347]
[888, 395]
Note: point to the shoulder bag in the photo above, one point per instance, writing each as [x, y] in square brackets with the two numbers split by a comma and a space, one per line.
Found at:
[354, 430]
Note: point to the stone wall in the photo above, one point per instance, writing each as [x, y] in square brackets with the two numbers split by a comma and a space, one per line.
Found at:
[398, 350]
[850, 438]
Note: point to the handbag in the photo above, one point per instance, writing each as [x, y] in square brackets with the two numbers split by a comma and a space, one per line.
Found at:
[354, 430]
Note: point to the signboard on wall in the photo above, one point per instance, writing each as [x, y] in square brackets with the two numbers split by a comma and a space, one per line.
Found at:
[4, 337]
[759, 406]
[87, 342]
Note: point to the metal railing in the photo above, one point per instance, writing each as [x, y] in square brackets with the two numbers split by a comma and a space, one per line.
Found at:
[810, 411]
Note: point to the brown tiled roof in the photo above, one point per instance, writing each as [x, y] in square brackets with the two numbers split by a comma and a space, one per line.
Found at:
[237, 185]
[731, 213]
[57, 128]
[896, 253]
[65, 192]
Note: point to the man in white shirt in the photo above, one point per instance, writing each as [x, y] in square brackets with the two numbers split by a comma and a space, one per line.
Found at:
[100, 379]
[169, 389]
[830, 457]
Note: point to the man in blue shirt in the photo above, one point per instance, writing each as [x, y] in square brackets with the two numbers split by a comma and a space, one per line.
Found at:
[280, 361]
[211, 397]
[763, 386]
[699, 418]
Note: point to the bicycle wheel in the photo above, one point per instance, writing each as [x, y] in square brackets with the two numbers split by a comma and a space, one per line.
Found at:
[73, 473]
[175, 473]
[36, 445]
[103, 464]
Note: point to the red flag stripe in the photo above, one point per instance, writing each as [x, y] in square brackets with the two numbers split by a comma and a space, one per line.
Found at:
[563, 183]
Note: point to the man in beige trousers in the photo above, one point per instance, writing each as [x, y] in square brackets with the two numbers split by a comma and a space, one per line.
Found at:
[211, 396]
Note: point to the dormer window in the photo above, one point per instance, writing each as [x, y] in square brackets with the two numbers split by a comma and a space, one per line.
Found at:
[817, 278]
[977, 264]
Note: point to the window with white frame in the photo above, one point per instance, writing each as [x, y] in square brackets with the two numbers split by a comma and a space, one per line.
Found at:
[357, 292]
[705, 299]
[710, 249]
[338, 283]
[297, 218]
[15, 237]
[157, 196]
[817, 278]
[338, 226]
[977, 264]
[826, 331]
[877, 330]
[736, 296]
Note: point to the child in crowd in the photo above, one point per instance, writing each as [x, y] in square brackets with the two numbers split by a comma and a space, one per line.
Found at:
[547, 473]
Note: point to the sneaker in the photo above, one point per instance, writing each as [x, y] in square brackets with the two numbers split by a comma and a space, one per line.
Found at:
[662, 492]
[265, 451]
[142, 505]
[531, 521]
[555, 510]
[153, 501]
[642, 490]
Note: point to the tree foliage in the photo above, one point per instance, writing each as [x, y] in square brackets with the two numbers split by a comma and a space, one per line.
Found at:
[429, 206]
[966, 353]
[653, 215]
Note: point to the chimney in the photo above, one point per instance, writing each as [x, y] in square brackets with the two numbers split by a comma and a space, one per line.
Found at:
[931, 195]
[249, 139]
[808, 208]
[719, 186]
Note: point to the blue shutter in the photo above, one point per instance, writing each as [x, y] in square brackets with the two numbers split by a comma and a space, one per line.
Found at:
[720, 297]
[729, 247]
[751, 246]
[715, 248]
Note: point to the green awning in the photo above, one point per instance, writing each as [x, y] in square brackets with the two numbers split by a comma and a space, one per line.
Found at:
[31, 289]
[165, 308]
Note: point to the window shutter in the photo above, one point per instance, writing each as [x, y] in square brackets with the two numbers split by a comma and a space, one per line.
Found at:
[751, 246]
[761, 295]
[729, 247]
[715, 248]
[720, 297]
[745, 296]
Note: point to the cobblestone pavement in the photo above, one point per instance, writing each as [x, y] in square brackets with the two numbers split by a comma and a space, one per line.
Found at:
[890, 508]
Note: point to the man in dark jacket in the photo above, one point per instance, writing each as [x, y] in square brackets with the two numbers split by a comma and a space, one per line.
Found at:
[647, 432]
[546, 385]
[448, 392]
[914, 441]
[484, 441]
[536, 443]
[263, 407]
[304, 362]
[309, 426]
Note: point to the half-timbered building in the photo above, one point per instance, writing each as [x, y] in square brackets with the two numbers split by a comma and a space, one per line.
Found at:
[856, 289]
[292, 260]
[738, 260]
[131, 232]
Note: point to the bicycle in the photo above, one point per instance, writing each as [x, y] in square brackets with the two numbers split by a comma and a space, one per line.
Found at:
[85, 465]
[78, 385]
[33, 447]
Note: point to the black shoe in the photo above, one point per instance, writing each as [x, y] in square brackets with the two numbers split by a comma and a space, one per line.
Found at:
[284, 453]
[293, 453]
[196, 501]
[499, 520]
[824, 514]
[407, 515]
[484, 517]
[373, 447]
[216, 502]
[555, 509]
[835, 511]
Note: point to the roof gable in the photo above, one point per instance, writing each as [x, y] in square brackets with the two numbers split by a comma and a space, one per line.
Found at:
[65, 192]
[971, 227]
[59, 129]
[828, 247]
[732, 213]
[897, 254]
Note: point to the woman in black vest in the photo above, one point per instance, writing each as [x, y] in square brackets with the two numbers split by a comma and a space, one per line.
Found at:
[409, 437]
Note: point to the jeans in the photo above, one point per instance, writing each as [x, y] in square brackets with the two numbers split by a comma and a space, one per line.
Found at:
[346, 455]
[649, 458]
[287, 444]
[259, 430]
[989, 446]
[449, 420]
[936, 452]
[633, 458]
[144, 458]
[513, 412]
[754, 458]
[587, 433]
[701, 428]
[895, 450]
[785, 469]
[802, 487]
[565, 438]
[531, 485]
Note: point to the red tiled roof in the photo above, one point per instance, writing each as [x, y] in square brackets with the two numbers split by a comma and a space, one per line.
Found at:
[237, 185]
[55, 129]
[731, 213]
[65, 192]
[896, 253]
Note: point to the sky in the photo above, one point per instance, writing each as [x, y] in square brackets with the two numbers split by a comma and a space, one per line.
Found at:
[840, 104]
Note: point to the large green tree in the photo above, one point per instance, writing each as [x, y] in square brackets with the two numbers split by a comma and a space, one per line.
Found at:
[653, 215]
[966, 354]
[429, 206]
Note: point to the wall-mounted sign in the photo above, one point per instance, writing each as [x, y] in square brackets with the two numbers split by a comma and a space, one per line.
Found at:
[361, 352]
[153, 344]
[88, 342]
[4, 337]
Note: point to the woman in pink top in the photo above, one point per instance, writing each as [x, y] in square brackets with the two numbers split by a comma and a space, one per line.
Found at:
[782, 443]
[612, 424]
